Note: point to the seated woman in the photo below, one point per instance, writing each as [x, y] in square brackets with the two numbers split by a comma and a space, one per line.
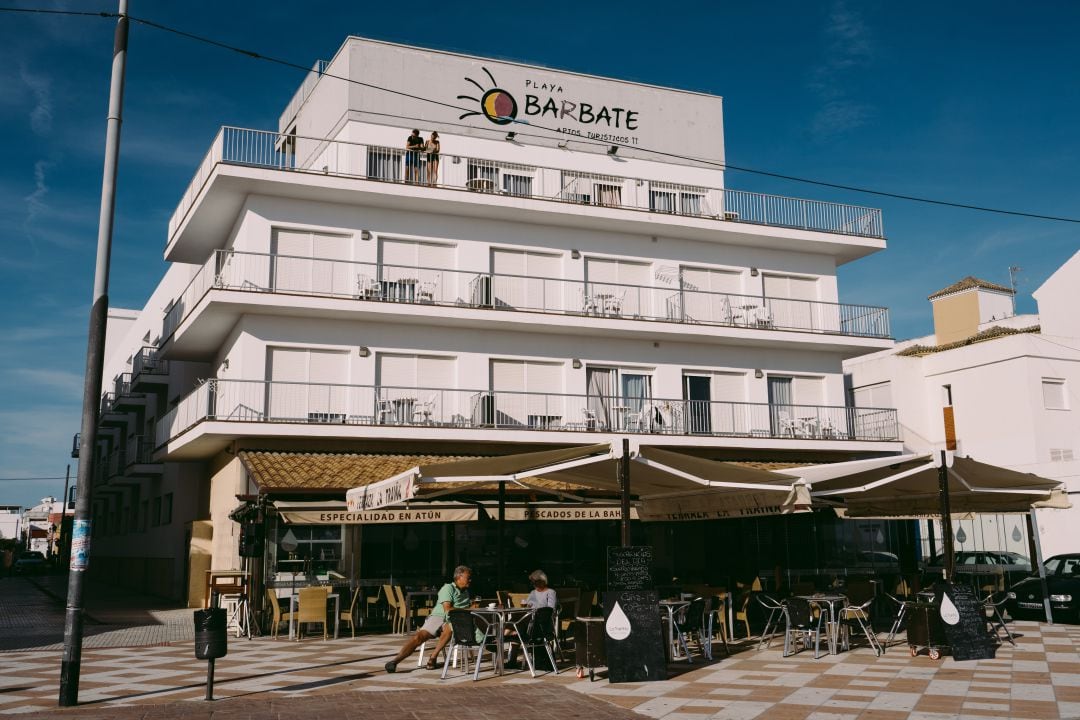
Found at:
[541, 597]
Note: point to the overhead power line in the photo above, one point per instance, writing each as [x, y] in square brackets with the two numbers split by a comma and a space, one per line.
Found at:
[554, 133]
[30, 479]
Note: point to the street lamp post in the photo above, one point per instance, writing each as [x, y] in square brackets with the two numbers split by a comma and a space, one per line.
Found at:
[95, 360]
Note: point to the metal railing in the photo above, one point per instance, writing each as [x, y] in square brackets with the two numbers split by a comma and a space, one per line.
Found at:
[258, 272]
[140, 450]
[148, 361]
[261, 401]
[259, 148]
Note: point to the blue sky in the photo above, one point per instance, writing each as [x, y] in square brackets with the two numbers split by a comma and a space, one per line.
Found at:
[973, 102]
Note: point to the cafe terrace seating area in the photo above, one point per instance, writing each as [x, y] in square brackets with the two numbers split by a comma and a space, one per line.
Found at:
[700, 623]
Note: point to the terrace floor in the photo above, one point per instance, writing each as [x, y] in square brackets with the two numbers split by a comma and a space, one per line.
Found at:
[1040, 678]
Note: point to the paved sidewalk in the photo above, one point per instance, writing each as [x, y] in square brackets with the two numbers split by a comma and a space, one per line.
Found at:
[1039, 679]
[32, 616]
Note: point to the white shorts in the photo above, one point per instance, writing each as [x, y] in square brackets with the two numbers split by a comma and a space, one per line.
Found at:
[434, 625]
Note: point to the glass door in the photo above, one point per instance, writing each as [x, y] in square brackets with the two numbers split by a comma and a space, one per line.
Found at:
[781, 419]
[697, 391]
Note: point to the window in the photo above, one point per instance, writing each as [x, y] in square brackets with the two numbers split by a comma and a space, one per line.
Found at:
[1061, 454]
[520, 185]
[527, 393]
[872, 396]
[144, 515]
[616, 399]
[519, 280]
[384, 164]
[304, 386]
[155, 517]
[946, 395]
[166, 509]
[586, 188]
[680, 199]
[301, 262]
[321, 543]
[1054, 394]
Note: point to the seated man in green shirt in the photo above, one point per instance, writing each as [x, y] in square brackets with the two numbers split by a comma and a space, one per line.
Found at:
[452, 595]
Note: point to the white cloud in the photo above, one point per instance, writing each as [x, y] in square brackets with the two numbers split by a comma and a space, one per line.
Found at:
[849, 46]
[41, 115]
[69, 384]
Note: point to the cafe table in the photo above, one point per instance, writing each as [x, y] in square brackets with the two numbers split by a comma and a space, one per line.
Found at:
[500, 617]
[672, 606]
[829, 604]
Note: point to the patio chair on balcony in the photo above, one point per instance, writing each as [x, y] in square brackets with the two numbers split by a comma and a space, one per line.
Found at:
[787, 425]
[425, 293]
[368, 288]
[640, 421]
[424, 409]
[590, 305]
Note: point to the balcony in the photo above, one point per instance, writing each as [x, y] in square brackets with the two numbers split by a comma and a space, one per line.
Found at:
[124, 395]
[256, 401]
[140, 457]
[76, 445]
[148, 369]
[675, 302]
[490, 178]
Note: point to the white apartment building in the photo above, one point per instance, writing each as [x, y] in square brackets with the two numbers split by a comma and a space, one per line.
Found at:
[1012, 383]
[337, 307]
[10, 517]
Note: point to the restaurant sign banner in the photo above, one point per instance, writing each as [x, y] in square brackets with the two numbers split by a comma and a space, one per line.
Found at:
[713, 508]
[379, 517]
[392, 491]
[566, 512]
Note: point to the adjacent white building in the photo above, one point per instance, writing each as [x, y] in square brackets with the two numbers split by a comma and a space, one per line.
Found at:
[1012, 383]
[10, 518]
[544, 282]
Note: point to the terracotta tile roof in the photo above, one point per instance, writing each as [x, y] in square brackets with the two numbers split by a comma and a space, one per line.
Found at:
[971, 282]
[322, 471]
[991, 333]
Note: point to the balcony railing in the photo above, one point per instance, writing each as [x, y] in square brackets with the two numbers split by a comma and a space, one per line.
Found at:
[258, 148]
[148, 362]
[256, 401]
[140, 450]
[676, 303]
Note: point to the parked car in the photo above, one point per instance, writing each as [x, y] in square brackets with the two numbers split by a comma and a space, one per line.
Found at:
[1009, 566]
[29, 562]
[1063, 585]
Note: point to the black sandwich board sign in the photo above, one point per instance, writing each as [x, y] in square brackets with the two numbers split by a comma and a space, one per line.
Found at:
[632, 634]
[964, 621]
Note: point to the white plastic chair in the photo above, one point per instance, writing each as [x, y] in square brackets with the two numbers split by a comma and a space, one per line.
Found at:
[426, 292]
[424, 409]
[639, 421]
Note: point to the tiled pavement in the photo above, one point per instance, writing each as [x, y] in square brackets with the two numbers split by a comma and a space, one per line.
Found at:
[1040, 678]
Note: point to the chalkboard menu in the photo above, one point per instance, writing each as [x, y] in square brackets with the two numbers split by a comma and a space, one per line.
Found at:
[629, 568]
[633, 637]
[964, 621]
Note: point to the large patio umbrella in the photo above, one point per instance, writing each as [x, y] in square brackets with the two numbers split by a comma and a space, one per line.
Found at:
[908, 485]
[922, 485]
[666, 485]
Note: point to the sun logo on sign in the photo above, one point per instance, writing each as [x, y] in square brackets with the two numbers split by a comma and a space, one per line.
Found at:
[496, 104]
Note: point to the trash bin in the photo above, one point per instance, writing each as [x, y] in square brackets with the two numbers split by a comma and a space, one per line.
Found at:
[210, 634]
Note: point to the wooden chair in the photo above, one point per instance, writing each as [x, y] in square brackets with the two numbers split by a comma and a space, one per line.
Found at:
[350, 615]
[371, 602]
[276, 616]
[312, 609]
[741, 613]
[517, 599]
[392, 608]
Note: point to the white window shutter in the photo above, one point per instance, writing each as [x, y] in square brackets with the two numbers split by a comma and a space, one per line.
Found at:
[808, 391]
[396, 371]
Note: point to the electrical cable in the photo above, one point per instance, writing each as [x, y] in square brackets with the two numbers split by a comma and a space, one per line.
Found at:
[722, 165]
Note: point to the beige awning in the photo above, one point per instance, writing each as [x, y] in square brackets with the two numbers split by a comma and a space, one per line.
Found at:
[667, 485]
[335, 512]
[907, 486]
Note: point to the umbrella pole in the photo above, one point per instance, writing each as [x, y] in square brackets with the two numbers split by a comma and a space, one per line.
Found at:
[502, 536]
[946, 520]
[624, 491]
[1033, 532]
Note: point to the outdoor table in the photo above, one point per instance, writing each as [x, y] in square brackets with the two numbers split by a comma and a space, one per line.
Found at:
[294, 598]
[829, 603]
[671, 606]
[500, 616]
[409, 603]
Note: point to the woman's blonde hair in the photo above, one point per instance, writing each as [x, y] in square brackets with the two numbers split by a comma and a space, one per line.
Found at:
[538, 576]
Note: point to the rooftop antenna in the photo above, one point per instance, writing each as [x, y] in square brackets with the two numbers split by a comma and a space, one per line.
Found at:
[1014, 270]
